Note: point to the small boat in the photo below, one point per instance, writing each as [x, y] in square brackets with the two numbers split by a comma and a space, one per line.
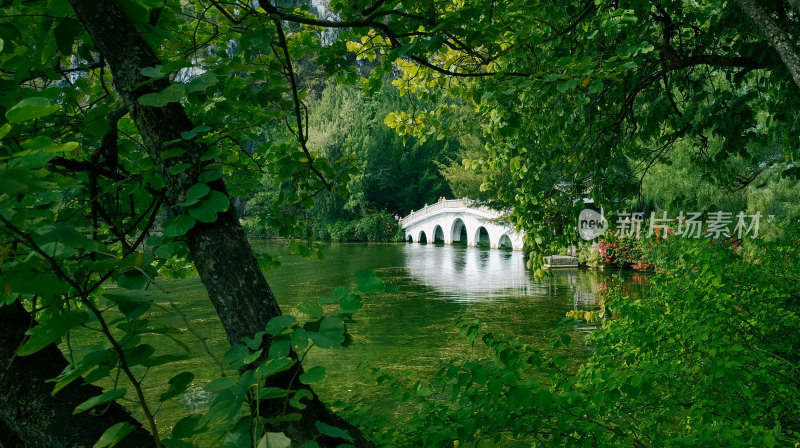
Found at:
[560, 261]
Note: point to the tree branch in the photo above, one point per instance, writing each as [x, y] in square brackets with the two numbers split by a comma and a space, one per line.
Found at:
[782, 43]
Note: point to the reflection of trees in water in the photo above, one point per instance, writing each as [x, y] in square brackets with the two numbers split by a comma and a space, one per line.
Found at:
[583, 285]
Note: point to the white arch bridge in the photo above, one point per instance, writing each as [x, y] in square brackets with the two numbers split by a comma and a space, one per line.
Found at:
[455, 220]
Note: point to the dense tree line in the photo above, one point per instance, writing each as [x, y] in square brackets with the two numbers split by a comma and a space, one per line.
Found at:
[395, 174]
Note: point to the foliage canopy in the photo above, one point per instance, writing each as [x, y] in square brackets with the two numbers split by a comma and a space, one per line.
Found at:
[130, 129]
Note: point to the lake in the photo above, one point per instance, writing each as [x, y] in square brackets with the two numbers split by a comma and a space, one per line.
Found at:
[413, 329]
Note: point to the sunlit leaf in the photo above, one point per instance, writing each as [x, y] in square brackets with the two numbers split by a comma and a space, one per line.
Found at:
[114, 434]
[51, 330]
[30, 108]
[100, 399]
[171, 94]
[278, 324]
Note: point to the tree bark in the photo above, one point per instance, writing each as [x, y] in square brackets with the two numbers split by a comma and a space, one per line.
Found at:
[223, 256]
[780, 40]
[29, 415]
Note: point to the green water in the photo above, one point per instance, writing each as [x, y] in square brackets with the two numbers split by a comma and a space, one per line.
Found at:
[415, 329]
[412, 329]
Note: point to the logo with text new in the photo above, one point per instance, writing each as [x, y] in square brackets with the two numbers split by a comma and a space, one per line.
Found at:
[591, 224]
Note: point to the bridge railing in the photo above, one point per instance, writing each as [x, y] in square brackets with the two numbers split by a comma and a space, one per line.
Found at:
[428, 209]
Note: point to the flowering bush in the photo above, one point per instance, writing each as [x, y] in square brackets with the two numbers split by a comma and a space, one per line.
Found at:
[377, 226]
[624, 252]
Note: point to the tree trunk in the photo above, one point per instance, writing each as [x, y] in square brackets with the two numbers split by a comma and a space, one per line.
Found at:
[780, 40]
[29, 415]
[221, 252]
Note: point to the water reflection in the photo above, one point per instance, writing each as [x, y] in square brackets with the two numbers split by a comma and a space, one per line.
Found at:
[469, 274]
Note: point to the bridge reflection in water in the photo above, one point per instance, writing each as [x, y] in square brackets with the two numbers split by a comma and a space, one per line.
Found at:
[470, 274]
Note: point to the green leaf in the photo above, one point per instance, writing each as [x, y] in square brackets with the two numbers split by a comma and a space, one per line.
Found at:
[71, 373]
[274, 440]
[202, 82]
[217, 201]
[172, 152]
[210, 175]
[99, 399]
[279, 323]
[180, 226]
[220, 384]
[211, 154]
[332, 431]
[279, 348]
[543, 399]
[186, 426]
[298, 396]
[4, 130]
[65, 34]
[314, 375]
[330, 334]
[567, 85]
[274, 366]
[51, 330]
[235, 356]
[114, 435]
[369, 282]
[132, 279]
[299, 339]
[171, 94]
[179, 168]
[351, 304]
[206, 210]
[253, 356]
[254, 342]
[269, 393]
[30, 108]
[139, 354]
[153, 72]
[519, 397]
[188, 135]
[195, 193]
[177, 385]
[223, 409]
[340, 292]
[312, 308]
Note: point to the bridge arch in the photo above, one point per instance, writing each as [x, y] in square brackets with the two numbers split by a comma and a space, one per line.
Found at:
[456, 220]
[505, 242]
[438, 235]
[478, 238]
[458, 232]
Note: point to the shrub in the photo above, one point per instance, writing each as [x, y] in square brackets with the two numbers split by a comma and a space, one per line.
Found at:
[377, 226]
